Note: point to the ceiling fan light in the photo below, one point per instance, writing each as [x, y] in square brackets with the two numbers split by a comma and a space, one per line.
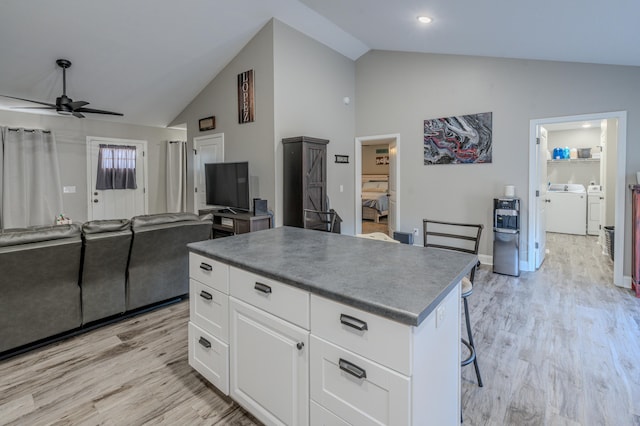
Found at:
[64, 112]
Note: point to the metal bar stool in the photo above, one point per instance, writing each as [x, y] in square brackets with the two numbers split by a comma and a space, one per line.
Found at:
[319, 220]
[465, 238]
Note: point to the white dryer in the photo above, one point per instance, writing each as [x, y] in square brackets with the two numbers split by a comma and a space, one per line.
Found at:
[594, 198]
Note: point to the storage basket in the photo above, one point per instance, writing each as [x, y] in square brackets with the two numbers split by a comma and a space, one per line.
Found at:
[609, 237]
[584, 152]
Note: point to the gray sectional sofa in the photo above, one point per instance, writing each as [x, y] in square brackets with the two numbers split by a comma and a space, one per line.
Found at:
[55, 280]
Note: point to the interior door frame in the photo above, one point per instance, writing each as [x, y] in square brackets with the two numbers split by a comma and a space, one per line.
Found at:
[620, 201]
[116, 141]
[196, 141]
[374, 140]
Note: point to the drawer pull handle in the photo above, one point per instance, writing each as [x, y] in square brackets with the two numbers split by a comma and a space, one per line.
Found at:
[352, 369]
[300, 345]
[353, 322]
[206, 295]
[262, 287]
[204, 342]
[206, 267]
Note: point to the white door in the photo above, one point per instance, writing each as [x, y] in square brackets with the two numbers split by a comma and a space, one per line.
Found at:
[541, 197]
[208, 149]
[116, 203]
[393, 186]
[269, 365]
[603, 184]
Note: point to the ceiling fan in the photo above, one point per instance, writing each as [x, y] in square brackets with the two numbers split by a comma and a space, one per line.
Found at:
[65, 105]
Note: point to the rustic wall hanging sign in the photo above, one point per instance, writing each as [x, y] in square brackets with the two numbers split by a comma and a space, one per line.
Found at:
[208, 123]
[246, 103]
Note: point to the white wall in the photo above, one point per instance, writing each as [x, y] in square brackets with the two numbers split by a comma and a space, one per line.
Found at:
[311, 82]
[396, 91]
[71, 136]
[369, 166]
[582, 172]
[252, 142]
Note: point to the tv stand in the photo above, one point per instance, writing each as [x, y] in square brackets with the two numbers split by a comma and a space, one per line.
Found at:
[227, 222]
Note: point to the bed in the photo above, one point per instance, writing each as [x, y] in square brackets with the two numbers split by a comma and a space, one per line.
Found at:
[375, 200]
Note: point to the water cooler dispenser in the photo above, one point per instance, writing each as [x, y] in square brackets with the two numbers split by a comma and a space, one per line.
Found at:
[506, 236]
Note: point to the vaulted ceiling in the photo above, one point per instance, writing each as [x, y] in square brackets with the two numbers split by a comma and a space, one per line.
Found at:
[149, 58]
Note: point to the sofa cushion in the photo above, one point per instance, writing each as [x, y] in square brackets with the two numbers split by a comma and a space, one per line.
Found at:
[138, 222]
[18, 236]
[111, 225]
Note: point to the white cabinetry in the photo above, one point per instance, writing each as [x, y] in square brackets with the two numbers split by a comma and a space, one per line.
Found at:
[209, 320]
[366, 369]
[269, 341]
[294, 358]
[269, 366]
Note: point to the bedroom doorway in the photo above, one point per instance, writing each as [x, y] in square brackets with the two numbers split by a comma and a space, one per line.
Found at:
[377, 184]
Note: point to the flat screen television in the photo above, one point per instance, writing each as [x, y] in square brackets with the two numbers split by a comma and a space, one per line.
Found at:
[227, 185]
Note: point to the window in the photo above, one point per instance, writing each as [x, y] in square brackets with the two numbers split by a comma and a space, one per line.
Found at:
[116, 167]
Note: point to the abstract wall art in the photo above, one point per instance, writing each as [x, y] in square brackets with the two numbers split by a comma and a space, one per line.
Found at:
[461, 139]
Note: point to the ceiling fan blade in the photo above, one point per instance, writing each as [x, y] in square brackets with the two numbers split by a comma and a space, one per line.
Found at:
[38, 107]
[77, 104]
[29, 100]
[97, 111]
[77, 114]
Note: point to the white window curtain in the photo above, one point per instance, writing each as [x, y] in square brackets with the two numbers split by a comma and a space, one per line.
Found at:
[30, 184]
[116, 167]
[176, 176]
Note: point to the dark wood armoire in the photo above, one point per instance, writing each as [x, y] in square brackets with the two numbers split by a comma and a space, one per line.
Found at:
[305, 177]
[635, 239]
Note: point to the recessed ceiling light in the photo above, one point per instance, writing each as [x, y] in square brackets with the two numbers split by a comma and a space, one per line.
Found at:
[425, 19]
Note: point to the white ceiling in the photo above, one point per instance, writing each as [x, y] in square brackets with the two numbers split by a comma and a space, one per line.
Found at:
[149, 58]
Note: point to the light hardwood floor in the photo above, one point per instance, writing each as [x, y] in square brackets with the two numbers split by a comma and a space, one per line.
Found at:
[557, 347]
[369, 226]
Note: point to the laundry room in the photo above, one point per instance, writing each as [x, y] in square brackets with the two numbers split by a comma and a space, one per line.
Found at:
[577, 173]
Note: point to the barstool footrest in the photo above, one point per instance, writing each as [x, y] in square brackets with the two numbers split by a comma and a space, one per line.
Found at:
[472, 354]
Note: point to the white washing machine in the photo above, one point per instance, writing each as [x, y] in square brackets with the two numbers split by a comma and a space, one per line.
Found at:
[594, 198]
[567, 209]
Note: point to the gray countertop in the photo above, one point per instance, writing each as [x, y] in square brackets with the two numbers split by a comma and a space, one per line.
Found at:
[397, 281]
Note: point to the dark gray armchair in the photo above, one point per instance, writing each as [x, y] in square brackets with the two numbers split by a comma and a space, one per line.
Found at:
[105, 252]
[159, 259]
[39, 291]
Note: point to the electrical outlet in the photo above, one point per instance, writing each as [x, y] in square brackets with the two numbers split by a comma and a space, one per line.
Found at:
[416, 231]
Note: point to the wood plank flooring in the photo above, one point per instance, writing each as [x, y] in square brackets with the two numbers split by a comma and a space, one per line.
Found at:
[557, 347]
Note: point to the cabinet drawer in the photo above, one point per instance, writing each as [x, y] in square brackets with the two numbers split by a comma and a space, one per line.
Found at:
[356, 389]
[379, 339]
[210, 272]
[281, 300]
[210, 357]
[209, 309]
[320, 416]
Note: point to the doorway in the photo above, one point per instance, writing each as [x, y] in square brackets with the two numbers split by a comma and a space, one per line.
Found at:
[116, 203]
[207, 149]
[392, 186]
[538, 182]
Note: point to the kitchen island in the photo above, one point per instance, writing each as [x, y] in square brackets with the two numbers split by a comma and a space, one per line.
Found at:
[306, 327]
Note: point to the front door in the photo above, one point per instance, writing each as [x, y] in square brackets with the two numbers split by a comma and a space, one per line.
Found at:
[208, 149]
[541, 197]
[116, 203]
